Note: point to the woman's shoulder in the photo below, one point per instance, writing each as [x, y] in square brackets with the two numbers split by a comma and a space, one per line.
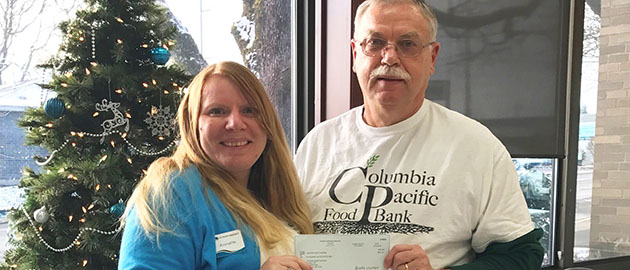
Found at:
[187, 185]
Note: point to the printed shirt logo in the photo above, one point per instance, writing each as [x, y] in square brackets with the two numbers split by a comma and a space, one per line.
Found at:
[374, 218]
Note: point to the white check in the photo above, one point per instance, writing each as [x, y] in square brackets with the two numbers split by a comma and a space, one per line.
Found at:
[343, 252]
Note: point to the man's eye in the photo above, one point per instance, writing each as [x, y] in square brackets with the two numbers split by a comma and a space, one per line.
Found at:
[375, 42]
[407, 44]
[217, 111]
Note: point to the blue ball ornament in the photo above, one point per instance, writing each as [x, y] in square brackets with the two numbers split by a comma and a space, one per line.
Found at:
[117, 209]
[160, 55]
[54, 108]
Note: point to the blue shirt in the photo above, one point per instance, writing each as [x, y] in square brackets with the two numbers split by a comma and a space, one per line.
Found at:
[195, 222]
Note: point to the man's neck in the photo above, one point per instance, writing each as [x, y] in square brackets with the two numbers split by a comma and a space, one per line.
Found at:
[377, 115]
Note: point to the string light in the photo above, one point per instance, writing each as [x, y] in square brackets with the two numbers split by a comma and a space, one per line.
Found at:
[81, 38]
[82, 220]
[95, 114]
[61, 170]
[154, 81]
[161, 138]
[112, 143]
[97, 187]
[70, 218]
[77, 243]
[103, 159]
[40, 228]
[68, 75]
[85, 262]
[49, 125]
[145, 84]
[119, 41]
[91, 206]
[166, 92]
[93, 64]
[175, 84]
[74, 144]
[84, 209]
[120, 20]
[128, 115]
[144, 45]
[87, 71]
[118, 91]
[109, 186]
[76, 239]
[124, 134]
[129, 160]
[63, 84]
[154, 110]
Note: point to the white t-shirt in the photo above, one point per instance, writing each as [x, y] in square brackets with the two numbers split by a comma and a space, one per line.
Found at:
[438, 179]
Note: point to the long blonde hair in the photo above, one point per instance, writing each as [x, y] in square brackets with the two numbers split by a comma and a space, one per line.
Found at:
[277, 195]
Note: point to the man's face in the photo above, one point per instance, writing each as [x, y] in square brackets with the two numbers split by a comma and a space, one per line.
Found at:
[394, 24]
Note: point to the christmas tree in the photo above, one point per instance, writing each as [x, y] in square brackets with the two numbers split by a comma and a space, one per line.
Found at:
[113, 114]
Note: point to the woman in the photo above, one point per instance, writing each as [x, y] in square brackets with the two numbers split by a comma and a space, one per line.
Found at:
[229, 197]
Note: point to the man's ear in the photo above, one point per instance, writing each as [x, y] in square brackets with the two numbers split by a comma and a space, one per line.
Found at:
[354, 55]
[435, 49]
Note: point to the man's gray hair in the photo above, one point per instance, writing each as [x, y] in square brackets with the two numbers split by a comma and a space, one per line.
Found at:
[420, 4]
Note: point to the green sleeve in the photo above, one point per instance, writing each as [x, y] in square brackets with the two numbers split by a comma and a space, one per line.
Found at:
[524, 253]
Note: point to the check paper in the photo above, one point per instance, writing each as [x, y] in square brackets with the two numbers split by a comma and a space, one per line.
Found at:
[343, 252]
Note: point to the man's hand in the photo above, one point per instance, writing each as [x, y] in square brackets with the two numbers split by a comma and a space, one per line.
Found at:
[407, 257]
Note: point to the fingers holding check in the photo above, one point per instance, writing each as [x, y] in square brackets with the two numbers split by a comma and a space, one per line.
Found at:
[407, 257]
[284, 263]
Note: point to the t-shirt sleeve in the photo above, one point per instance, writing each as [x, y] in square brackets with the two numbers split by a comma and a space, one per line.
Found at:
[504, 215]
[178, 250]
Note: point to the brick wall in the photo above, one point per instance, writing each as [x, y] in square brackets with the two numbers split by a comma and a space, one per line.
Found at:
[611, 176]
[14, 155]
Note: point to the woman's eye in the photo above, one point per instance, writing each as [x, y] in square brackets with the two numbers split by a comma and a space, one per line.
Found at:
[216, 111]
[249, 111]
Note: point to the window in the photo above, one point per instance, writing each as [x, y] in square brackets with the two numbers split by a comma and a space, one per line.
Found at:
[257, 34]
[537, 178]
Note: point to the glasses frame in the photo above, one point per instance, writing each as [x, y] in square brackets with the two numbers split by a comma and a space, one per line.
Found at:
[362, 45]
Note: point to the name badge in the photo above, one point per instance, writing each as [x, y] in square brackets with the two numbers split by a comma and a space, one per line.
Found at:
[229, 241]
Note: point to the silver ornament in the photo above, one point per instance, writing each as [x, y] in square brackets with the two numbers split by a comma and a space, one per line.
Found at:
[41, 215]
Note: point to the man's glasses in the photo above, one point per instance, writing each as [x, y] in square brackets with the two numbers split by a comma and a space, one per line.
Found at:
[405, 47]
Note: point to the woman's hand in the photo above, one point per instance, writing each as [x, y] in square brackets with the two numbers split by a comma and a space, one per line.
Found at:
[284, 263]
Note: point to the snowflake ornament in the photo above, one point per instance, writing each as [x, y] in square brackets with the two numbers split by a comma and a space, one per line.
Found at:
[160, 121]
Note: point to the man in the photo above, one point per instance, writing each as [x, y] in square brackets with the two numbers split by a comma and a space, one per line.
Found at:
[439, 183]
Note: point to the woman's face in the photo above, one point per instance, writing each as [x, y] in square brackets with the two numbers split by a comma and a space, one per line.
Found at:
[229, 132]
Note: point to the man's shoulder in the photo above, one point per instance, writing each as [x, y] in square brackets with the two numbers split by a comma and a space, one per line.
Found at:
[333, 126]
[461, 126]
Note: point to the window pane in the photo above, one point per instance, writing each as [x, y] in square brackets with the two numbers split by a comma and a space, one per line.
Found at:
[537, 178]
[501, 63]
[258, 36]
[603, 176]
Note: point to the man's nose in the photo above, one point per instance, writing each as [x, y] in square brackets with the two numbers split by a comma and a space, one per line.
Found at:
[390, 55]
[235, 121]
